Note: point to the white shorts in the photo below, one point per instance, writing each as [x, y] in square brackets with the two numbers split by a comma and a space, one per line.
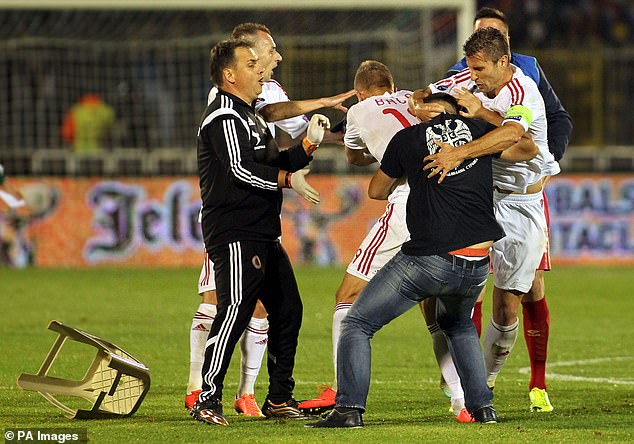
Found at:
[206, 281]
[516, 256]
[382, 242]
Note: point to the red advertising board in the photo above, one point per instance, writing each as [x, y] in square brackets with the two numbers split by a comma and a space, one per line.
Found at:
[153, 221]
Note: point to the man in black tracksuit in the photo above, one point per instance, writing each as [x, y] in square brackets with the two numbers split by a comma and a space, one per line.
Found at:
[242, 174]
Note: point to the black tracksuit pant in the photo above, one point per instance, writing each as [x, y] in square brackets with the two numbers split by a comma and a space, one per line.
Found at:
[246, 271]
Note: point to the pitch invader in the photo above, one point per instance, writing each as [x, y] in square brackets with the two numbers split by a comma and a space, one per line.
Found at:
[502, 89]
[534, 304]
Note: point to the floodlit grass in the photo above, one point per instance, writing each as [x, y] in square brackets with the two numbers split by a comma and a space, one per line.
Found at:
[148, 313]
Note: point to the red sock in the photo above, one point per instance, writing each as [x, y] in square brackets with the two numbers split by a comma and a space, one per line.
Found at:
[476, 317]
[536, 329]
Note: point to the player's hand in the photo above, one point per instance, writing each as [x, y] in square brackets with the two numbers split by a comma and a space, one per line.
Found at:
[316, 128]
[300, 186]
[423, 111]
[336, 102]
[467, 100]
[443, 161]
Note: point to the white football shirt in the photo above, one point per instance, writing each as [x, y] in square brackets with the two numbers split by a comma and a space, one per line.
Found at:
[373, 122]
[521, 90]
[272, 92]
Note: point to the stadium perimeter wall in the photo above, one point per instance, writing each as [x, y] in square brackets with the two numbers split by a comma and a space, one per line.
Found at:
[146, 222]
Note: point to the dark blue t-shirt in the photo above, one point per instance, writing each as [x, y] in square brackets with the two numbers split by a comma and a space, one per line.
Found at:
[456, 213]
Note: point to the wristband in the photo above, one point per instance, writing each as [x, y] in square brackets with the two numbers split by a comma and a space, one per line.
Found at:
[309, 147]
[287, 180]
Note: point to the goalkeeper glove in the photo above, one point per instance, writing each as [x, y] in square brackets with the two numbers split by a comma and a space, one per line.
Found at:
[297, 181]
[315, 134]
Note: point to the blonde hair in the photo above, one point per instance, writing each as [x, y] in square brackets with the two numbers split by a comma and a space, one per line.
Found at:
[371, 75]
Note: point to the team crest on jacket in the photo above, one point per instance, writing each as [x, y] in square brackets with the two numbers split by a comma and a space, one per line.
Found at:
[260, 120]
[453, 132]
[254, 131]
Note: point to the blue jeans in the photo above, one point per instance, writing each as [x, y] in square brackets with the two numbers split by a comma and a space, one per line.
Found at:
[400, 285]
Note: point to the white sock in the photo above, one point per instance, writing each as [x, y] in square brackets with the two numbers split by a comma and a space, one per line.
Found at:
[252, 348]
[497, 342]
[341, 310]
[457, 404]
[447, 367]
[201, 324]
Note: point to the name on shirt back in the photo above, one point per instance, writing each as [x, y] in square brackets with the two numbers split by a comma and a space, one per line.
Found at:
[391, 101]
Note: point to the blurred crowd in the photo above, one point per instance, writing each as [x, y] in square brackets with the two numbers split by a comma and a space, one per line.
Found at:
[150, 86]
[545, 23]
[569, 23]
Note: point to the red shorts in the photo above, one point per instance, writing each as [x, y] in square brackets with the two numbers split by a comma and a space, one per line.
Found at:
[545, 262]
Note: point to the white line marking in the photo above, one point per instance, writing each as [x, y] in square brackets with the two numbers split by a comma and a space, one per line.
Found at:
[562, 377]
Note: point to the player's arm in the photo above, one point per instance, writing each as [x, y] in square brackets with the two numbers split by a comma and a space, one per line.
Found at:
[559, 120]
[474, 108]
[517, 121]
[381, 185]
[356, 149]
[427, 111]
[285, 110]
[391, 172]
[359, 157]
[497, 140]
[525, 149]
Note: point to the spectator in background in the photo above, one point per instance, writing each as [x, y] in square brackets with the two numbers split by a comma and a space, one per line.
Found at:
[87, 124]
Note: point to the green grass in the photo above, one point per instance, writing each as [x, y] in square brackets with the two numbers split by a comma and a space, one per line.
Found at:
[148, 313]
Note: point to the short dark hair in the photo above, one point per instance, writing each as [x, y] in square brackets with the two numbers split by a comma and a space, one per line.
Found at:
[246, 31]
[373, 74]
[491, 13]
[223, 55]
[489, 41]
[443, 97]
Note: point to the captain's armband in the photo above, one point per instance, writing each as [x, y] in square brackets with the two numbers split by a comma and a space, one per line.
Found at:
[519, 113]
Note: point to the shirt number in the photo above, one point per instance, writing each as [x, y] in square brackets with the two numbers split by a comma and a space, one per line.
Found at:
[398, 115]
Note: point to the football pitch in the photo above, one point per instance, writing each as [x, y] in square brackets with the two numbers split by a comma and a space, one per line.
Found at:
[148, 313]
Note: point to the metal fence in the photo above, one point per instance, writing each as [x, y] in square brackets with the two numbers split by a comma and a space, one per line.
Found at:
[157, 87]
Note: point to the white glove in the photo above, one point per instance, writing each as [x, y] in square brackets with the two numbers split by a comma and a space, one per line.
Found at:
[317, 128]
[300, 186]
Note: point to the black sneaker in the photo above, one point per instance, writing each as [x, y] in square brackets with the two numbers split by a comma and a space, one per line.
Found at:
[485, 415]
[340, 418]
[288, 410]
[209, 412]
